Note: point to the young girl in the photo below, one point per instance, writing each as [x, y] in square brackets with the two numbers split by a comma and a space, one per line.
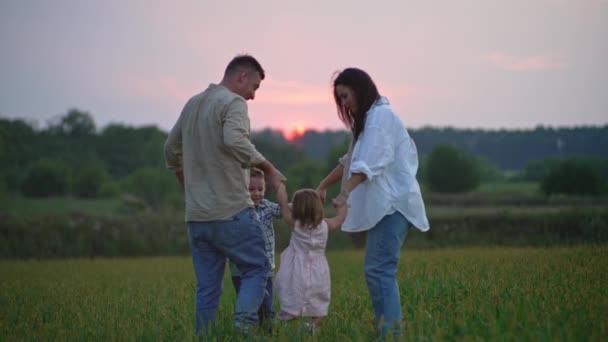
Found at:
[302, 282]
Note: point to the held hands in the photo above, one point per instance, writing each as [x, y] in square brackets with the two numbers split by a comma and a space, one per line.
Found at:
[340, 200]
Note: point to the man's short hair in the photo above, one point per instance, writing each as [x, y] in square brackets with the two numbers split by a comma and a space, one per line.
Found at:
[244, 62]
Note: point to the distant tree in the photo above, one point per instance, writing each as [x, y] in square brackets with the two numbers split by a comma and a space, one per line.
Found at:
[268, 134]
[422, 164]
[2, 186]
[89, 179]
[488, 172]
[16, 138]
[572, 177]
[108, 189]
[514, 149]
[45, 178]
[75, 123]
[280, 153]
[315, 144]
[536, 170]
[152, 185]
[18, 147]
[451, 170]
[306, 173]
[336, 152]
[125, 149]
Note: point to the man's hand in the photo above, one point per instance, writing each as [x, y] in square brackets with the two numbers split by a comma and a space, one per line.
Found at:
[272, 176]
[322, 193]
[180, 177]
[274, 179]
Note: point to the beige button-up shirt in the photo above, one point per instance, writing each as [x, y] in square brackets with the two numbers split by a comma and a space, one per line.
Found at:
[210, 143]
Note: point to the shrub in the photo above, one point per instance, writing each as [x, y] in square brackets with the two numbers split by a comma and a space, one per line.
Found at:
[2, 187]
[109, 189]
[152, 185]
[572, 177]
[538, 169]
[45, 178]
[304, 174]
[89, 180]
[489, 172]
[450, 170]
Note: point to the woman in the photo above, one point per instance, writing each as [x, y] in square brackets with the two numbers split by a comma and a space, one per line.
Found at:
[379, 186]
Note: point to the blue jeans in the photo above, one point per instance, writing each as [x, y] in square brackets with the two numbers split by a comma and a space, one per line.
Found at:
[382, 251]
[265, 314]
[240, 239]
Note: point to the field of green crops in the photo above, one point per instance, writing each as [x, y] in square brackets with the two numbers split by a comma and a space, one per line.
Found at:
[447, 294]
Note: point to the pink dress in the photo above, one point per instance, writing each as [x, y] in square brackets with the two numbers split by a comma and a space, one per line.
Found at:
[302, 283]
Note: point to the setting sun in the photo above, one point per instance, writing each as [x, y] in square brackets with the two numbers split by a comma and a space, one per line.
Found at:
[294, 131]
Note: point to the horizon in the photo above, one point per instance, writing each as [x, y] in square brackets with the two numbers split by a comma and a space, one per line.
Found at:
[299, 132]
[474, 64]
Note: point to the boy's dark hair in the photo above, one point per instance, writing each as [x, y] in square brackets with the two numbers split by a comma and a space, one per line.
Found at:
[306, 207]
[365, 94]
[244, 62]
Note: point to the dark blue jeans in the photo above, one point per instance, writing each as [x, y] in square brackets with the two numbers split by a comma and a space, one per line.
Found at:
[265, 314]
[240, 239]
[382, 251]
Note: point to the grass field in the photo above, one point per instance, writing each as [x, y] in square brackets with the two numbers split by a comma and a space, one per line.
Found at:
[515, 188]
[447, 294]
[33, 206]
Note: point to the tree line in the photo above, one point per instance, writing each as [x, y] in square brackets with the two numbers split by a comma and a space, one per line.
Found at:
[505, 149]
[71, 156]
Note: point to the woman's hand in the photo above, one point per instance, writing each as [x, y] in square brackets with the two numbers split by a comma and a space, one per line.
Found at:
[350, 185]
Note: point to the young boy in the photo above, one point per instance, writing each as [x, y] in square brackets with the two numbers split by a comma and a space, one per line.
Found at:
[266, 211]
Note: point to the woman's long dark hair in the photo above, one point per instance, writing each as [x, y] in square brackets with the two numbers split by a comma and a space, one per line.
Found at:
[365, 94]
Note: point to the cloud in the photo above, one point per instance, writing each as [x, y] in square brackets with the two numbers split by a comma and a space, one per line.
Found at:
[161, 88]
[293, 93]
[525, 63]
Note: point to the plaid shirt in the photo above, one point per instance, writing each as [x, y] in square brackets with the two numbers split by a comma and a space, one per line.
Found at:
[266, 211]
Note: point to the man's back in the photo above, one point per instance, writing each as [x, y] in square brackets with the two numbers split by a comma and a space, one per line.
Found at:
[213, 134]
[210, 153]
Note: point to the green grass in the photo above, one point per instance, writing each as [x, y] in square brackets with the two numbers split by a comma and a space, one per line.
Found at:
[511, 188]
[500, 188]
[476, 211]
[448, 294]
[28, 206]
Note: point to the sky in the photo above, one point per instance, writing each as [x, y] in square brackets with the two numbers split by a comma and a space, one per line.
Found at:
[490, 64]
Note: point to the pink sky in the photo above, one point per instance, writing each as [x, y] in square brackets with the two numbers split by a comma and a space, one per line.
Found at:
[470, 63]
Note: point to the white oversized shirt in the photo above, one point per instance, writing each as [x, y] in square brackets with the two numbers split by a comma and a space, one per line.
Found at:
[387, 155]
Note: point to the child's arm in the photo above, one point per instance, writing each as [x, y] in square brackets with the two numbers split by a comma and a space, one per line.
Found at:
[284, 204]
[336, 221]
[275, 209]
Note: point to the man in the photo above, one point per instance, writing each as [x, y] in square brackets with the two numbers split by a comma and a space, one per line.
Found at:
[211, 154]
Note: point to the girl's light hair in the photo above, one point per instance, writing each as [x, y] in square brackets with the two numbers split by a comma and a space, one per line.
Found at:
[306, 207]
